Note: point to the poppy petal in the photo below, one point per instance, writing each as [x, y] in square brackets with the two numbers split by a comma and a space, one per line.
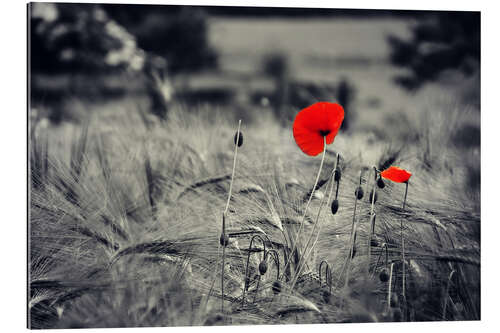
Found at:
[314, 122]
[396, 174]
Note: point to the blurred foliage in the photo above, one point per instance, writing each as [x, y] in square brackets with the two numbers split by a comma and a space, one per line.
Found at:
[92, 37]
[75, 38]
[439, 42]
[179, 33]
[276, 65]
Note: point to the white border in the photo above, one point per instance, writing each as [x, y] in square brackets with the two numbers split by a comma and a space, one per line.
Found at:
[13, 165]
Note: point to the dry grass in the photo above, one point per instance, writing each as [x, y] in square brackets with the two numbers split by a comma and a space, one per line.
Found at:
[125, 224]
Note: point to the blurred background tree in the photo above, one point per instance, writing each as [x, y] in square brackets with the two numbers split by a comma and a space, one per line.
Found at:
[75, 38]
[178, 33]
[439, 41]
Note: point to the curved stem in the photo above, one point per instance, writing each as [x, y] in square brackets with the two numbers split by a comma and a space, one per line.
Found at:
[319, 271]
[248, 261]
[294, 248]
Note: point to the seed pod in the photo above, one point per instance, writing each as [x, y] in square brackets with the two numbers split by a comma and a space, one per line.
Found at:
[371, 196]
[394, 300]
[238, 141]
[335, 206]
[262, 267]
[384, 275]
[337, 174]
[380, 182]
[276, 287]
[359, 193]
[224, 240]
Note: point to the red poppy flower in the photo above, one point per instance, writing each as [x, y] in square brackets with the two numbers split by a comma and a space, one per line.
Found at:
[396, 174]
[322, 119]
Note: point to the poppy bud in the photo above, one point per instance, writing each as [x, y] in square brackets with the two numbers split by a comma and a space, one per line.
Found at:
[359, 193]
[238, 141]
[372, 199]
[335, 206]
[380, 182]
[337, 174]
[224, 240]
[276, 287]
[384, 275]
[394, 300]
[262, 267]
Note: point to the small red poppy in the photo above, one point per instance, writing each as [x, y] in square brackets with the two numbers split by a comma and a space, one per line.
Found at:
[322, 119]
[396, 174]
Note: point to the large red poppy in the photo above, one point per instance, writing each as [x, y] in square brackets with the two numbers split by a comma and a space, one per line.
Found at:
[312, 124]
[396, 174]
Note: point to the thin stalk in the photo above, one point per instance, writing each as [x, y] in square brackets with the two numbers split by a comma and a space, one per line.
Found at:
[307, 205]
[403, 252]
[224, 216]
[256, 289]
[380, 256]
[372, 221]
[389, 289]
[222, 279]
[234, 168]
[306, 252]
[353, 233]
[446, 294]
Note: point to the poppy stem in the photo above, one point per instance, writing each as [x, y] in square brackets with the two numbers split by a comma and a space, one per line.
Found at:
[352, 242]
[307, 252]
[403, 253]
[234, 167]
[223, 236]
[294, 248]
[222, 279]
[372, 219]
[248, 262]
